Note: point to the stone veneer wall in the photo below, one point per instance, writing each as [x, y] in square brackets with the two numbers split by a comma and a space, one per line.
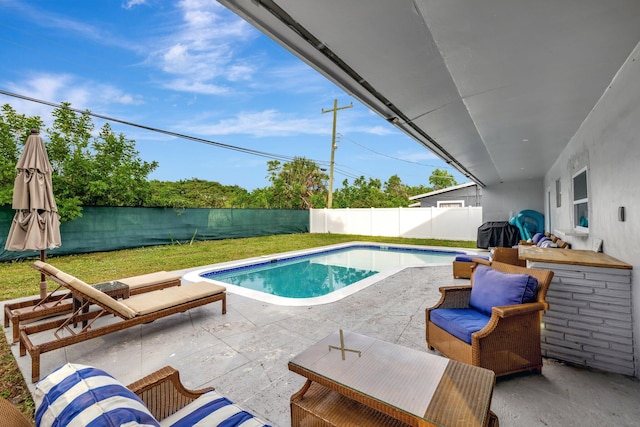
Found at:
[590, 317]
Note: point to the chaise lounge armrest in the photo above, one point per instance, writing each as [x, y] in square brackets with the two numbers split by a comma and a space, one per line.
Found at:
[163, 393]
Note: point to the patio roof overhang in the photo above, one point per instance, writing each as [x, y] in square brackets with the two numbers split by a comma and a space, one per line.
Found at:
[495, 88]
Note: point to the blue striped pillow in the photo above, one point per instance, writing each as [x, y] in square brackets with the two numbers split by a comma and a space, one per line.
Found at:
[212, 409]
[78, 395]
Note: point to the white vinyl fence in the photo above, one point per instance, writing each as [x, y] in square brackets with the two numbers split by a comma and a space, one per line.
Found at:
[424, 223]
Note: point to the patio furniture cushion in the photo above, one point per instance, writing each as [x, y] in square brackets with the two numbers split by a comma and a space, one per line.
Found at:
[78, 395]
[536, 237]
[459, 322]
[170, 297]
[469, 258]
[493, 288]
[547, 243]
[542, 241]
[211, 409]
[149, 279]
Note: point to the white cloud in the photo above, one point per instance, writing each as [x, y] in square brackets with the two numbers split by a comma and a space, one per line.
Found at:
[416, 156]
[202, 50]
[132, 3]
[262, 124]
[186, 85]
[57, 88]
[380, 130]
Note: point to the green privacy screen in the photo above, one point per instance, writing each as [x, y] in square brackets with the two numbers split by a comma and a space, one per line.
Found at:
[107, 229]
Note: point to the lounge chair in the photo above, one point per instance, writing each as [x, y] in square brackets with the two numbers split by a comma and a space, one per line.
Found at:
[494, 323]
[136, 310]
[57, 303]
[83, 395]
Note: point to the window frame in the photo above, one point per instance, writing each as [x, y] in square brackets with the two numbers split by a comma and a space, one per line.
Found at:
[585, 200]
[442, 202]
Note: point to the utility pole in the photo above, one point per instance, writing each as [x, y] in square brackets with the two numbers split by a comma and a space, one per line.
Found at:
[333, 146]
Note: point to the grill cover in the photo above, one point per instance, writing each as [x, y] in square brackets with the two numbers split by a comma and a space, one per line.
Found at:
[498, 233]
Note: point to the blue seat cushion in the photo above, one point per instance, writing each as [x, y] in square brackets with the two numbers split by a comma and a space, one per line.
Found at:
[493, 288]
[459, 322]
[85, 396]
[469, 258]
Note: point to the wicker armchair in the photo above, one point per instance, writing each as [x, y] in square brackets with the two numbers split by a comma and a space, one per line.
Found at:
[503, 255]
[509, 342]
[11, 416]
[163, 393]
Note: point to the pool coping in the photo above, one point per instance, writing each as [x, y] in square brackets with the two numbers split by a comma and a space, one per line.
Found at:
[194, 275]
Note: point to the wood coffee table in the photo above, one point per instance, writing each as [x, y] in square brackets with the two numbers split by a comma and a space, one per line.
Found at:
[374, 382]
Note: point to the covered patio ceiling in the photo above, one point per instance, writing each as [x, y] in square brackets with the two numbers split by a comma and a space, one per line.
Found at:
[497, 88]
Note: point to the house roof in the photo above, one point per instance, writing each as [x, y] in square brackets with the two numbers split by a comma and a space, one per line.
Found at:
[495, 88]
[444, 190]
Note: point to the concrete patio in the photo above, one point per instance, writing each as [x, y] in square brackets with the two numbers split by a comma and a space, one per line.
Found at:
[244, 354]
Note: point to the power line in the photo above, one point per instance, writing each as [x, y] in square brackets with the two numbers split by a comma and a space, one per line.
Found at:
[281, 157]
[391, 157]
[162, 131]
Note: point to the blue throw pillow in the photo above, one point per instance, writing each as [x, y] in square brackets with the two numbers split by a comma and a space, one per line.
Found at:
[536, 237]
[85, 396]
[547, 244]
[542, 241]
[493, 288]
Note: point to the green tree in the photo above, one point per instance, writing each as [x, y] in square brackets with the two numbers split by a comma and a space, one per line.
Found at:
[196, 193]
[70, 157]
[14, 130]
[296, 184]
[118, 177]
[396, 192]
[418, 189]
[440, 179]
[362, 194]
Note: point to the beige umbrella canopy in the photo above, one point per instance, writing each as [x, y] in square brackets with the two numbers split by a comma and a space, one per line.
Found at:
[36, 224]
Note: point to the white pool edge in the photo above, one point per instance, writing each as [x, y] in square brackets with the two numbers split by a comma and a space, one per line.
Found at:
[195, 275]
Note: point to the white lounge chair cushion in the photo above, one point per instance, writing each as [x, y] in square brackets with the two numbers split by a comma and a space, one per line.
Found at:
[46, 267]
[78, 396]
[150, 279]
[157, 300]
[78, 285]
[211, 409]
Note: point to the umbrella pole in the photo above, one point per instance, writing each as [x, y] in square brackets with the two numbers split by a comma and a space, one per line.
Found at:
[43, 279]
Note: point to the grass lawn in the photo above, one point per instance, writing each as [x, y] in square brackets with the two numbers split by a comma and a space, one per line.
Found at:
[18, 279]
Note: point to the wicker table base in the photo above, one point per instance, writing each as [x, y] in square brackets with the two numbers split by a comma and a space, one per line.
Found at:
[321, 407]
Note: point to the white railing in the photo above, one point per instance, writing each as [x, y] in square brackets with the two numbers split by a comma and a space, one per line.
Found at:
[425, 223]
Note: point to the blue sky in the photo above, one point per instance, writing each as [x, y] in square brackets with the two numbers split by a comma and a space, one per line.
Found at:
[193, 67]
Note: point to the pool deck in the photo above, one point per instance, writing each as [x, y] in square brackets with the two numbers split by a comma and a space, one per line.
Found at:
[244, 354]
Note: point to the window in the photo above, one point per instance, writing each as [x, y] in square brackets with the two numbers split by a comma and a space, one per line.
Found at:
[558, 194]
[451, 204]
[581, 201]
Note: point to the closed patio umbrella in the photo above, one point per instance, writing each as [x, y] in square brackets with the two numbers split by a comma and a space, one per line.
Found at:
[36, 223]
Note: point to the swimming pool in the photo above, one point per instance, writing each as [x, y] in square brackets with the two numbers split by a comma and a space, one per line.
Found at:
[320, 275]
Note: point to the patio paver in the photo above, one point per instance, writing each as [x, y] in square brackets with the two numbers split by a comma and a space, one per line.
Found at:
[244, 354]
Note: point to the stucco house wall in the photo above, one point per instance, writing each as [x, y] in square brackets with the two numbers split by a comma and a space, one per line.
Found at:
[503, 201]
[608, 144]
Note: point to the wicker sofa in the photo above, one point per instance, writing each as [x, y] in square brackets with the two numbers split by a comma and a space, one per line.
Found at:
[484, 325]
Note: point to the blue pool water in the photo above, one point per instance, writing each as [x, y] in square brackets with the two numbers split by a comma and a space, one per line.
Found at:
[318, 274]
